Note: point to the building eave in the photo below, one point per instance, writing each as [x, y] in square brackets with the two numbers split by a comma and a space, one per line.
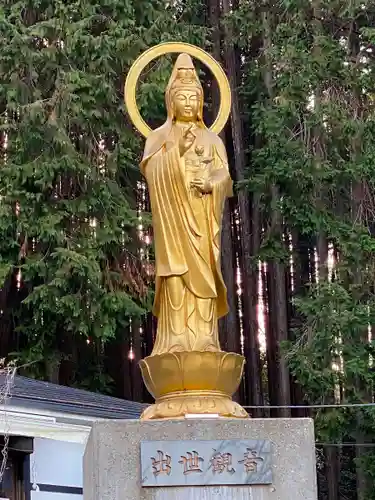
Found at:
[18, 421]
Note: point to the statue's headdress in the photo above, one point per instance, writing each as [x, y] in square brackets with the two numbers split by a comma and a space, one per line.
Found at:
[184, 77]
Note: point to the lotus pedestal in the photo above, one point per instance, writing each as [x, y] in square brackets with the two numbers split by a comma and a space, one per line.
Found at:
[193, 383]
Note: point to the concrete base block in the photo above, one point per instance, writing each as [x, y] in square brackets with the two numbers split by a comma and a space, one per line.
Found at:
[112, 465]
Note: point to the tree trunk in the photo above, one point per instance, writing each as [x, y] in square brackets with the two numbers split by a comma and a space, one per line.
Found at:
[229, 330]
[118, 364]
[279, 375]
[362, 389]
[249, 272]
[303, 250]
[67, 347]
[137, 382]
[331, 453]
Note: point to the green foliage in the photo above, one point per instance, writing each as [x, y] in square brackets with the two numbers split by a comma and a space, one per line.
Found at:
[69, 168]
[308, 94]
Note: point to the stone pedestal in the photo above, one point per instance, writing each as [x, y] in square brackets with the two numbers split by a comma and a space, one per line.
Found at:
[112, 464]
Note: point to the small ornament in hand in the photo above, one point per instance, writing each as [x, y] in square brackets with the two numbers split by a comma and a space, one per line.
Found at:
[203, 183]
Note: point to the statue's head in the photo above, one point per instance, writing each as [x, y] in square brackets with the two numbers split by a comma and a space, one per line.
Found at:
[184, 94]
[186, 104]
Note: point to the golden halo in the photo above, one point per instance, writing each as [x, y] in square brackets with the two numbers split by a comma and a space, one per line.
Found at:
[168, 48]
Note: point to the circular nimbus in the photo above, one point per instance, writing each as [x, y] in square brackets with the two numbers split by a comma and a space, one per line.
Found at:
[168, 48]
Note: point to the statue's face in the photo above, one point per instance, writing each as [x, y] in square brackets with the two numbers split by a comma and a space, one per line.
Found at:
[186, 105]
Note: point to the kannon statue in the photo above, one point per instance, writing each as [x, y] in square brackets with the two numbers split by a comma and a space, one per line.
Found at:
[186, 169]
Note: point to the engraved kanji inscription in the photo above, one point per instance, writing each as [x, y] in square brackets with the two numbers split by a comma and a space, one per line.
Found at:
[191, 462]
[251, 460]
[222, 462]
[161, 464]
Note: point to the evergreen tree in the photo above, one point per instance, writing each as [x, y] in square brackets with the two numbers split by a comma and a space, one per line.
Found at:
[308, 83]
[71, 276]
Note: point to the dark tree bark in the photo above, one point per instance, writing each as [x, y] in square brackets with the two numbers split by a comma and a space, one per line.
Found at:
[362, 389]
[331, 453]
[68, 364]
[118, 365]
[136, 377]
[254, 394]
[229, 328]
[279, 376]
[302, 251]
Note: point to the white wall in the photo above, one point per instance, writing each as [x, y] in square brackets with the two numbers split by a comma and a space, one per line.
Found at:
[45, 495]
[56, 463]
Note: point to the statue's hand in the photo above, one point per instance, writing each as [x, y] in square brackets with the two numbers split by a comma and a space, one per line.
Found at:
[187, 140]
[202, 185]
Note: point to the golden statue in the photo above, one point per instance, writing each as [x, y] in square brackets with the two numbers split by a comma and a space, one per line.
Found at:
[186, 169]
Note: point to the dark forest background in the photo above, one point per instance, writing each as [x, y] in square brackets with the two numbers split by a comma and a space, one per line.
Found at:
[76, 257]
